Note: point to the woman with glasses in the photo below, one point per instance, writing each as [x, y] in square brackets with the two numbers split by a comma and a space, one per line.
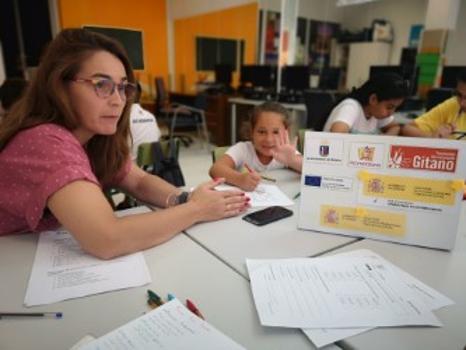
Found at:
[66, 140]
[369, 109]
[446, 120]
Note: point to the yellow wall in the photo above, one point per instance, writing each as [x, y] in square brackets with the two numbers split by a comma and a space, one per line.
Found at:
[146, 15]
[234, 23]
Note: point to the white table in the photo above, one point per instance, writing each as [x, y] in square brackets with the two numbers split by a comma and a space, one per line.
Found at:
[293, 107]
[233, 240]
[442, 270]
[179, 266]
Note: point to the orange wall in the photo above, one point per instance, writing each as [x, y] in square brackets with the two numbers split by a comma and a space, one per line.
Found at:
[234, 23]
[146, 15]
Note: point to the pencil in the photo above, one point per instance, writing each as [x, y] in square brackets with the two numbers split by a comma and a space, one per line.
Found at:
[56, 315]
[271, 179]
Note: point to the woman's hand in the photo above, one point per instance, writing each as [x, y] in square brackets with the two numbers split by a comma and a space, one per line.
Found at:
[214, 205]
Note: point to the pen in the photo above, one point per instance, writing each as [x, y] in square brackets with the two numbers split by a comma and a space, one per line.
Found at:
[154, 297]
[56, 315]
[297, 195]
[170, 296]
[193, 308]
[262, 176]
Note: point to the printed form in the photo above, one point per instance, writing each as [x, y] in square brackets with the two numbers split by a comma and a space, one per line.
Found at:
[62, 270]
[347, 292]
[264, 195]
[170, 326]
[429, 296]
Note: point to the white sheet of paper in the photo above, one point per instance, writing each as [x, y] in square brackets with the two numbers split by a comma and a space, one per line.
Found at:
[431, 298]
[170, 326]
[264, 195]
[344, 292]
[62, 270]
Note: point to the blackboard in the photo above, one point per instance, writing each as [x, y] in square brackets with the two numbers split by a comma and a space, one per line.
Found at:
[130, 39]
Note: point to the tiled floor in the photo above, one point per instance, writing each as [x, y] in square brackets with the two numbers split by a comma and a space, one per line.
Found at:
[195, 162]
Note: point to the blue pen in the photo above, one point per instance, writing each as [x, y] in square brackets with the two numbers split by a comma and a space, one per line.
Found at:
[170, 296]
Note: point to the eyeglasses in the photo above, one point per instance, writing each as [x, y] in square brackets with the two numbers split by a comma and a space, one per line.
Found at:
[104, 87]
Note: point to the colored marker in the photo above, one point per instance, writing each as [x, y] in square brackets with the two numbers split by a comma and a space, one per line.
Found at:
[152, 304]
[56, 315]
[170, 296]
[193, 308]
[154, 297]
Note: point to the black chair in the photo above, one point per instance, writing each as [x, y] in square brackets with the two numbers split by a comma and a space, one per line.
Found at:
[437, 96]
[181, 115]
[318, 106]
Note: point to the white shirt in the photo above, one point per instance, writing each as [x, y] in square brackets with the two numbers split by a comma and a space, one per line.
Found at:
[143, 127]
[350, 112]
[244, 152]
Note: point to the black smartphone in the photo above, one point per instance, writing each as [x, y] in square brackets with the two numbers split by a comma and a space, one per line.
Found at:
[267, 215]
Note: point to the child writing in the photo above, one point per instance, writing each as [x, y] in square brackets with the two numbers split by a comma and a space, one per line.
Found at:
[67, 138]
[369, 109]
[269, 149]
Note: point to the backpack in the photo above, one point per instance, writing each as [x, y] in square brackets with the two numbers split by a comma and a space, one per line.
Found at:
[165, 167]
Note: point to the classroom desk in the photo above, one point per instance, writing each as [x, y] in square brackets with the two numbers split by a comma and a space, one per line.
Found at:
[441, 270]
[233, 240]
[293, 107]
[178, 266]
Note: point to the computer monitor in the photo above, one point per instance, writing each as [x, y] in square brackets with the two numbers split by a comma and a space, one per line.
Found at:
[329, 78]
[409, 73]
[223, 74]
[450, 76]
[295, 78]
[257, 75]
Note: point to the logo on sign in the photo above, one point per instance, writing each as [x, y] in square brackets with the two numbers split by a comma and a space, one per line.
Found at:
[324, 150]
[366, 153]
[423, 158]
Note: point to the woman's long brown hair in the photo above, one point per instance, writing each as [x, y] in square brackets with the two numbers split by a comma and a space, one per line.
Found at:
[46, 100]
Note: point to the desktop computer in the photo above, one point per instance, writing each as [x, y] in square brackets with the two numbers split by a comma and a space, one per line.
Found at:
[450, 76]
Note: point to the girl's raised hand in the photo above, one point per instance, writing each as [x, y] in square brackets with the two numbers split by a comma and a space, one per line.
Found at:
[284, 150]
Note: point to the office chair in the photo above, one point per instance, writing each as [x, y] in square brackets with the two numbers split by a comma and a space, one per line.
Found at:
[318, 106]
[177, 115]
[218, 152]
[144, 160]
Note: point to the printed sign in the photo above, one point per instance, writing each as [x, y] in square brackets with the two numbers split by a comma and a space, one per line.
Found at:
[403, 189]
[423, 158]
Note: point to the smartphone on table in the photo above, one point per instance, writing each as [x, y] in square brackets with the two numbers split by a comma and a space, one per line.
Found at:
[267, 215]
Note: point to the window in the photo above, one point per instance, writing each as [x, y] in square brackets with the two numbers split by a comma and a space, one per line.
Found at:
[213, 51]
